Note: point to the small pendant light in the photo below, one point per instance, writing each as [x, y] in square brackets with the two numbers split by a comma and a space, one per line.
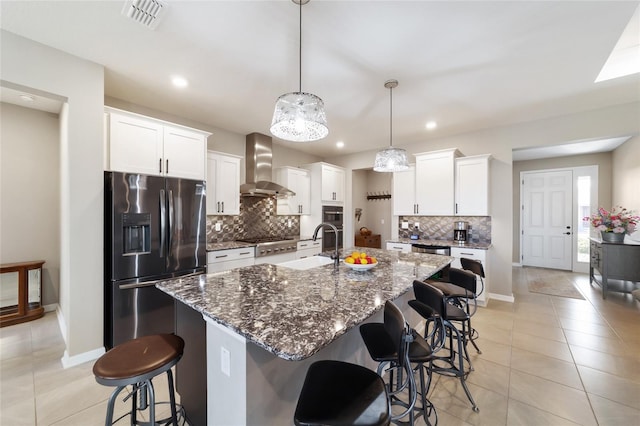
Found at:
[299, 116]
[391, 159]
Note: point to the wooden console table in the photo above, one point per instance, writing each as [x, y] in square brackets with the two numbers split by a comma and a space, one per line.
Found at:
[619, 262]
[20, 292]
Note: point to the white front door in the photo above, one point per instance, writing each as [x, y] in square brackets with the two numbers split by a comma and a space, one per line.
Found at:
[547, 218]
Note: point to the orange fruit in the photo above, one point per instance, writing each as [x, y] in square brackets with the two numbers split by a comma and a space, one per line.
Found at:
[349, 260]
[363, 261]
[355, 254]
[363, 255]
[374, 260]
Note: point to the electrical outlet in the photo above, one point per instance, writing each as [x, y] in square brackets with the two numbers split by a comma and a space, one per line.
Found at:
[225, 362]
[289, 223]
[382, 221]
[218, 226]
[416, 224]
[405, 225]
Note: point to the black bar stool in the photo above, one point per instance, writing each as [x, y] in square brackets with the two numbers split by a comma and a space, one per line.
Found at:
[136, 363]
[340, 393]
[395, 346]
[431, 303]
[474, 266]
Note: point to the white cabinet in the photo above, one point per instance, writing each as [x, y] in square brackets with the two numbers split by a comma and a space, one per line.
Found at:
[223, 260]
[476, 254]
[402, 247]
[223, 184]
[472, 185]
[332, 184]
[138, 144]
[298, 181]
[308, 248]
[404, 192]
[435, 182]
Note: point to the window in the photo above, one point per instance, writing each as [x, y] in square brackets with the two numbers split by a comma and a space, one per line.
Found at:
[583, 210]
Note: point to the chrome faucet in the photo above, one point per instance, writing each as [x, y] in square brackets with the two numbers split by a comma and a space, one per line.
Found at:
[335, 256]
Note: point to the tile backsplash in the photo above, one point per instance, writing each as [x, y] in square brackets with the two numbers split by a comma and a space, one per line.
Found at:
[441, 227]
[257, 218]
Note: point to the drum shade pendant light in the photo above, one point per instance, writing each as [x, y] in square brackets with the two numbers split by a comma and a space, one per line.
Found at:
[299, 116]
[391, 159]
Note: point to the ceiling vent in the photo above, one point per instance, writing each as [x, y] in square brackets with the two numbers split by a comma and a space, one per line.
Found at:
[145, 12]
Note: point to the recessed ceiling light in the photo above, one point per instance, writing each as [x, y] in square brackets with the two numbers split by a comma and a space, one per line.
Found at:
[340, 144]
[431, 125]
[179, 81]
[27, 98]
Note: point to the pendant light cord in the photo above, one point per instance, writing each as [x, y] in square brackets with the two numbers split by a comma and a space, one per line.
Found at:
[391, 116]
[300, 50]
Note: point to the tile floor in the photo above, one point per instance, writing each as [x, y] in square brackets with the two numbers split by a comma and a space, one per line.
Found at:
[545, 361]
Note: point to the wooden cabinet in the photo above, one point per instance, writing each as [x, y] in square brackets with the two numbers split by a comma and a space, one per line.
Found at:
[223, 184]
[435, 182]
[308, 248]
[20, 291]
[472, 186]
[476, 254]
[138, 144]
[372, 241]
[298, 181]
[223, 260]
[403, 247]
[618, 266]
[404, 192]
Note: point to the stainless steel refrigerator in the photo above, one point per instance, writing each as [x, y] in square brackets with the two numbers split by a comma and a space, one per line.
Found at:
[155, 228]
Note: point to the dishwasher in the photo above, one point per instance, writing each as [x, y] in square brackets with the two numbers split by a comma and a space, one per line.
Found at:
[443, 274]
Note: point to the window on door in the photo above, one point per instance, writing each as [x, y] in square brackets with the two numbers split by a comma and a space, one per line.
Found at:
[583, 210]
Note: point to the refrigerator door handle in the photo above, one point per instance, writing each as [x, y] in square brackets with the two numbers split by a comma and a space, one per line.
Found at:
[137, 285]
[170, 248]
[163, 222]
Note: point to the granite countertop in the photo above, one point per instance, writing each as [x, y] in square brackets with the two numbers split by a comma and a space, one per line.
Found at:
[443, 243]
[295, 313]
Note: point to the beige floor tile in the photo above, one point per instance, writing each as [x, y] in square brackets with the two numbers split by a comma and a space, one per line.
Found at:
[520, 414]
[622, 366]
[589, 315]
[495, 352]
[543, 320]
[549, 368]
[490, 375]
[490, 334]
[560, 400]
[534, 329]
[587, 327]
[611, 345]
[447, 419]
[542, 346]
[449, 397]
[610, 413]
[612, 387]
[21, 412]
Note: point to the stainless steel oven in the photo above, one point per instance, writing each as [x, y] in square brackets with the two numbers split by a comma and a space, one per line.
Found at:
[334, 216]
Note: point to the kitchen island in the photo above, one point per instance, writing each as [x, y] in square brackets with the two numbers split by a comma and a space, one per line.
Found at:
[265, 324]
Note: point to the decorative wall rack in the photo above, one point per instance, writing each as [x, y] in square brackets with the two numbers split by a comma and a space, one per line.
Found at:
[378, 195]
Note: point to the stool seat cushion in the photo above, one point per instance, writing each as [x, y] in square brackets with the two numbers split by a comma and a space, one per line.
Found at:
[138, 357]
[381, 347]
[451, 290]
[341, 393]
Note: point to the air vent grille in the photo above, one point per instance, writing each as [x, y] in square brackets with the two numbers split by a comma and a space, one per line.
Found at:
[145, 12]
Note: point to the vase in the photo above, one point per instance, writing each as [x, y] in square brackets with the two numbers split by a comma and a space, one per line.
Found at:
[612, 237]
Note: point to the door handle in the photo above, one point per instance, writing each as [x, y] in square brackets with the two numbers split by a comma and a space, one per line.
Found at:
[170, 222]
[223, 207]
[160, 165]
[163, 220]
[167, 168]
[567, 233]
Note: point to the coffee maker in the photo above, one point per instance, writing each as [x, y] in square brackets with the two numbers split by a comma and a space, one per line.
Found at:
[460, 229]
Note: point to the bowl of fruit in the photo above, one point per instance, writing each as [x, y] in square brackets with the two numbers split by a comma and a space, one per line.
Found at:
[360, 261]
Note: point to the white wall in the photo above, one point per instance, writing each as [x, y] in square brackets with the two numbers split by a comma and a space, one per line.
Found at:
[30, 192]
[626, 175]
[34, 65]
[602, 123]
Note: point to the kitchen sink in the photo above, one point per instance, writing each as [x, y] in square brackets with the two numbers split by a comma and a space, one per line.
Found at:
[307, 262]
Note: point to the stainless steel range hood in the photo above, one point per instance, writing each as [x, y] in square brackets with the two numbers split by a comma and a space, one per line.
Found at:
[258, 157]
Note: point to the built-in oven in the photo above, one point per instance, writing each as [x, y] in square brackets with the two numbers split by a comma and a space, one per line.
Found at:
[334, 216]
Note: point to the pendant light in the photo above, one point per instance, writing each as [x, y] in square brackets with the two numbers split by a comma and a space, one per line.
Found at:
[299, 116]
[391, 159]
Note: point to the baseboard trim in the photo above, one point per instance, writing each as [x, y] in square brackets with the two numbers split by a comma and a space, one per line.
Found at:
[50, 308]
[517, 265]
[72, 361]
[502, 297]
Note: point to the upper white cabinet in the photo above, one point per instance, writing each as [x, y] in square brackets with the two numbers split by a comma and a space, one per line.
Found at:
[435, 182]
[404, 192]
[328, 181]
[472, 186]
[298, 181]
[138, 144]
[223, 184]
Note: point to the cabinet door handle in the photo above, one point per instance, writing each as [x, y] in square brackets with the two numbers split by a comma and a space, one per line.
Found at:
[218, 207]
[221, 256]
[167, 168]
[223, 207]
[456, 208]
[160, 165]
[467, 254]
[244, 253]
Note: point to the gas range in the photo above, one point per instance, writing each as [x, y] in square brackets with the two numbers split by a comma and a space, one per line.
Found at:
[268, 246]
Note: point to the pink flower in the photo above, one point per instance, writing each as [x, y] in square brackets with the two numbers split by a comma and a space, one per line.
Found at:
[619, 230]
[601, 228]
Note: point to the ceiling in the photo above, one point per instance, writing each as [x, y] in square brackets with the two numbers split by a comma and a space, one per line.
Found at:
[467, 65]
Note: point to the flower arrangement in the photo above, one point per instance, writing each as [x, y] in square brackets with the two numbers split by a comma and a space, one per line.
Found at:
[619, 220]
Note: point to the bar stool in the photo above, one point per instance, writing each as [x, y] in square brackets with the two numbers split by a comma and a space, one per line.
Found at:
[395, 346]
[136, 363]
[431, 303]
[474, 266]
[340, 393]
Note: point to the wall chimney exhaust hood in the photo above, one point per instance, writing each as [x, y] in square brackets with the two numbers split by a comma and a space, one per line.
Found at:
[258, 158]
